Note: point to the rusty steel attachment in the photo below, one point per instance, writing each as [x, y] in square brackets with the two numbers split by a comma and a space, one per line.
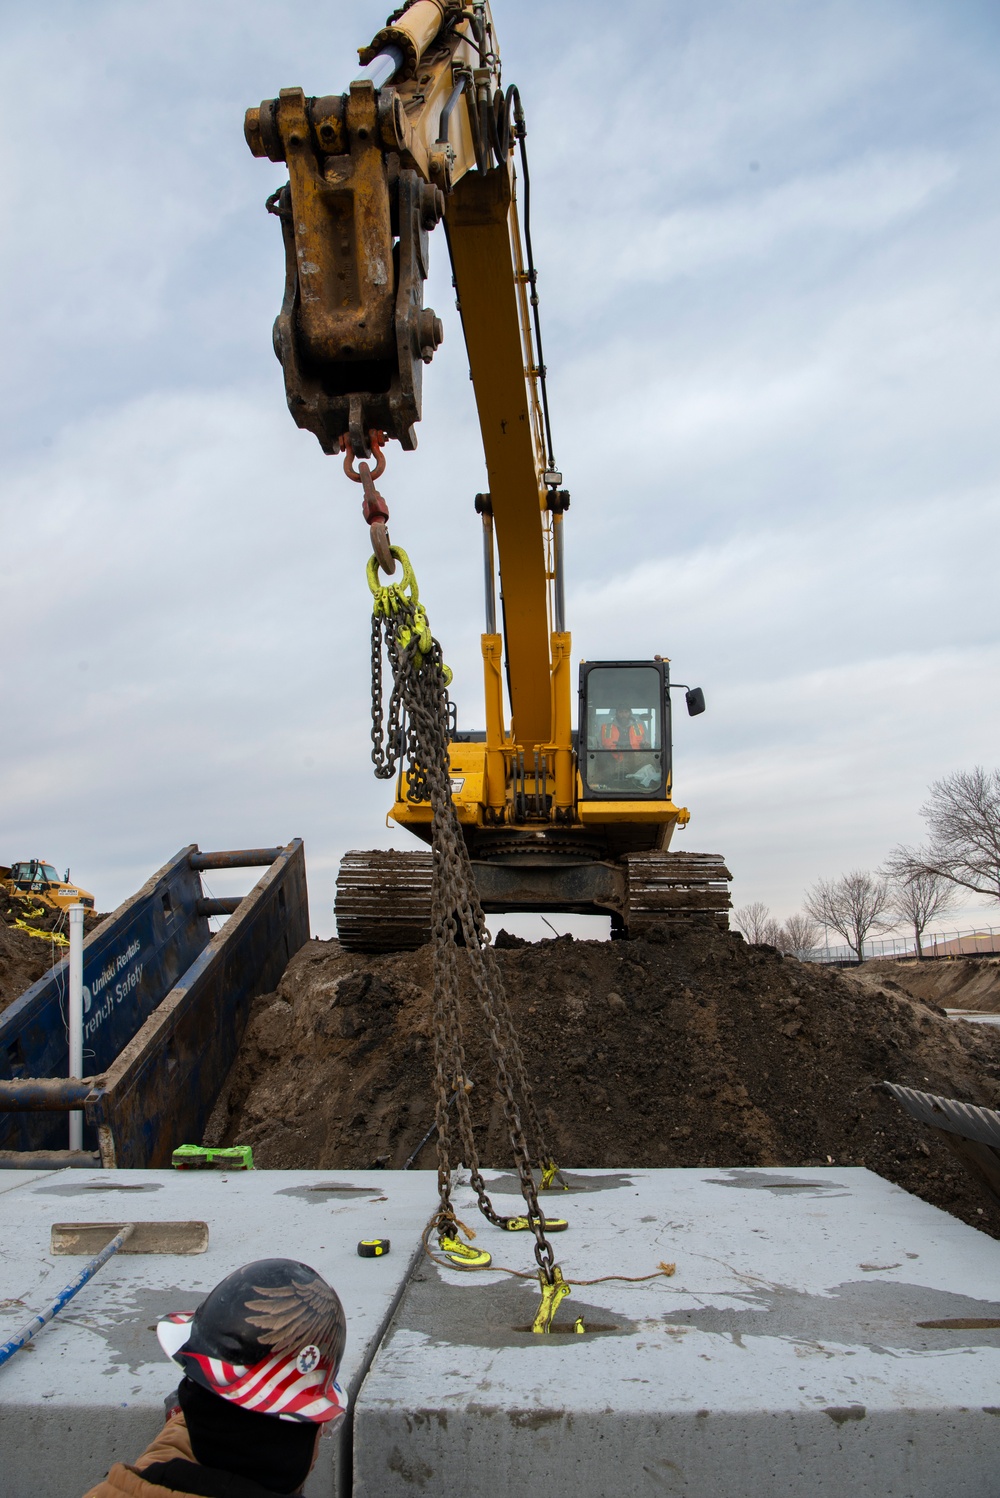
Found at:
[352, 332]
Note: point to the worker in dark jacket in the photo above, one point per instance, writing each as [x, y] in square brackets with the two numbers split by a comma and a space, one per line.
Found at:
[260, 1357]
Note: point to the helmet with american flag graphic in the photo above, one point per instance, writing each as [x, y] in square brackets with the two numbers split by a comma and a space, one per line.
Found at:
[269, 1338]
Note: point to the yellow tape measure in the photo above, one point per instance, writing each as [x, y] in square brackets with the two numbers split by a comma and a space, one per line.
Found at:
[373, 1248]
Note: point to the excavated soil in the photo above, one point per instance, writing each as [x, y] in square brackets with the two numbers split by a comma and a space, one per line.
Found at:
[689, 1048]
[25, 958]
[955, 983]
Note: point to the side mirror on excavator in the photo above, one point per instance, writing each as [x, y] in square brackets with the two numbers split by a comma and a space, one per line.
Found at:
[695, 699]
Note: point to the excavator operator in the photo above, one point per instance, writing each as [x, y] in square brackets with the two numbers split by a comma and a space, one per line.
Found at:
[624, 731]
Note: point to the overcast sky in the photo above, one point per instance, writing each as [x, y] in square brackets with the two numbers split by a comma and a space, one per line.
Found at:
[767, 240]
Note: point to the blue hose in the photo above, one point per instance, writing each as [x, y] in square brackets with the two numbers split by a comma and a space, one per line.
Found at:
[8, 1349]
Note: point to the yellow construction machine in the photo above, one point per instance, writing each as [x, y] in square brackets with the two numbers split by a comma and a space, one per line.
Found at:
[38, 880]
[556, 819]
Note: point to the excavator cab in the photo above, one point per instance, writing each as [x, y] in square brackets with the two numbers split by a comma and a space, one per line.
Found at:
[624, 736]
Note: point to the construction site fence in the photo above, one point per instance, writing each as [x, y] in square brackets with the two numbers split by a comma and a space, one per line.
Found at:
[982, 942]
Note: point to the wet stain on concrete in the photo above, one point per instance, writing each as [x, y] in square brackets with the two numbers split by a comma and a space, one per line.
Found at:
[410, 1469]
[498, 1314]
[129, 1330]
[762, 1180]
[332, 1190]
[884, 1316]
[84, 1188]
[509, 1185]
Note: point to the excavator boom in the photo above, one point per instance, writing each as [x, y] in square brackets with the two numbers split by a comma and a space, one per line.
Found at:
[427, 132]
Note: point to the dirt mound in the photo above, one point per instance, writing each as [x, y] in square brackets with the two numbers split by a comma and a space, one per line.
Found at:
[689, 1049]
[25, 955]
[969, 983]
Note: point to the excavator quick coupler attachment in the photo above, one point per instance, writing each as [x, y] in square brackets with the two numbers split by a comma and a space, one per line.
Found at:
[352, 332]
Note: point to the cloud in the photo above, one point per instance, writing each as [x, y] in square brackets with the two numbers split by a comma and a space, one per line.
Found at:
[772, 391]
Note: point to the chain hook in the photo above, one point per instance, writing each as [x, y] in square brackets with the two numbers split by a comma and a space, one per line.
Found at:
[373, 507]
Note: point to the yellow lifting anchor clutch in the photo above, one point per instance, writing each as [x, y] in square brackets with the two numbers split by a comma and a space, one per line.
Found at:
[551, 1175]
[463, 1255]
[553, 1294]
[522, 1224]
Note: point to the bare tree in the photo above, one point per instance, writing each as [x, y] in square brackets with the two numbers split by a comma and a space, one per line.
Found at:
[753, 920]
[801, 936]
[854, 905]
[919, 896]
[773, 934]
[963, 819]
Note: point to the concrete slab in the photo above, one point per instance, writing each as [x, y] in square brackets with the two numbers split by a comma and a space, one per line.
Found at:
[824, 1333]
[92, 1390]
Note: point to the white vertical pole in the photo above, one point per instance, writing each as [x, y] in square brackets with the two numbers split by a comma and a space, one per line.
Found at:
[76, 1016]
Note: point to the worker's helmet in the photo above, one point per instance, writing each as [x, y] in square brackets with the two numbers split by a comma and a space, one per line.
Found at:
[269, 1338]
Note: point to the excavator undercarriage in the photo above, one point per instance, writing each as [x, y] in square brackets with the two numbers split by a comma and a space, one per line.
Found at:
[383, 901]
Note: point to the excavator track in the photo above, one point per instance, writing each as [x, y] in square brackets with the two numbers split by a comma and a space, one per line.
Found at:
[383, 901]
[675, 886]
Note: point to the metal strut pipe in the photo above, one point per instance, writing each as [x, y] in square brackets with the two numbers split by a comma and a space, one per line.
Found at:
[50, 1159]
[43, 1094]
[242, 858]
[225, 905]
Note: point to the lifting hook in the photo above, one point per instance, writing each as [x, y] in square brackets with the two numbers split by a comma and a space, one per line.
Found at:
[373, 507]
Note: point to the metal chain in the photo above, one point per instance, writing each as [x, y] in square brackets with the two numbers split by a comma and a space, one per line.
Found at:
[420, 698]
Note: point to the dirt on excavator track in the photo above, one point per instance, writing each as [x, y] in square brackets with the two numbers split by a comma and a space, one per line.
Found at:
[685, 1048]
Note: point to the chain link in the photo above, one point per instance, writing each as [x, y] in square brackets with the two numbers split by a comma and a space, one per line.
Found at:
[414, 731]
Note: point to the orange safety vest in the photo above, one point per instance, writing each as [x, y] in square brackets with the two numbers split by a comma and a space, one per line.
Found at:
[611, 734]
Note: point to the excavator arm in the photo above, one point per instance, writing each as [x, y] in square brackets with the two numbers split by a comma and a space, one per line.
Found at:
[426, 132]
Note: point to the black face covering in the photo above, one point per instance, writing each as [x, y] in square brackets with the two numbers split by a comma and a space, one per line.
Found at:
[275, 1454]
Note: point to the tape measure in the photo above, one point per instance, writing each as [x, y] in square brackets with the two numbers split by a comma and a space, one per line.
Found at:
[373, 1248]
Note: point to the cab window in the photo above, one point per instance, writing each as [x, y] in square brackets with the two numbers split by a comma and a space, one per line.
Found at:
[624, 732]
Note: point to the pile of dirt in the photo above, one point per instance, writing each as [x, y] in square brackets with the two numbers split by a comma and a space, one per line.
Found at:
[29, 943]
[955, 983]
[688, 1048]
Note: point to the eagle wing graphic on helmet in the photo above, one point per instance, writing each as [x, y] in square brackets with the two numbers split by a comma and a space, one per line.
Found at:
[299, 1314]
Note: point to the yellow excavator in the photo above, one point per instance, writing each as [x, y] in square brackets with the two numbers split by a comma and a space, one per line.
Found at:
[556, 819]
